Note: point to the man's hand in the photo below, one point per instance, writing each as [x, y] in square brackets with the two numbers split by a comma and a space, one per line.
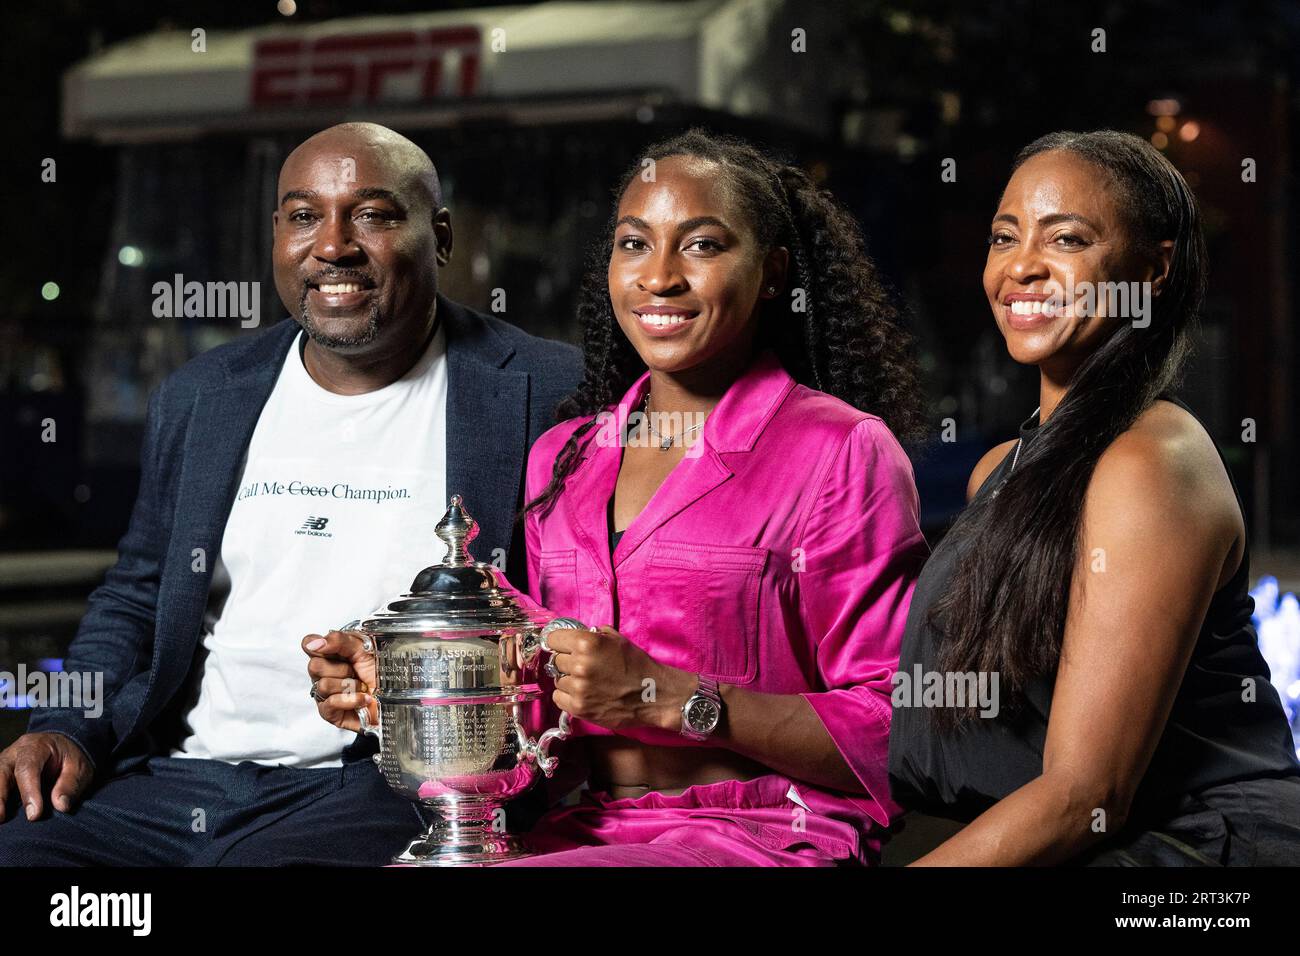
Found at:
[344, 675]
[32, 761]
[609, 681]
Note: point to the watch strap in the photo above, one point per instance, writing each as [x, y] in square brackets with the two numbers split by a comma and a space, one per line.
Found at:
[707, 689]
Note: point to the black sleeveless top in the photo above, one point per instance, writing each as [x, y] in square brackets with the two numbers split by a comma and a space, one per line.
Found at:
[613, 535]
[1212, 735]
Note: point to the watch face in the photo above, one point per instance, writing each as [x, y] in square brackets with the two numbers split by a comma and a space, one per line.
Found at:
[702, 715]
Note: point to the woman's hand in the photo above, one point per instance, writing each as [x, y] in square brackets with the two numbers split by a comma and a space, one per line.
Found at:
[608, 680]
[343, 675]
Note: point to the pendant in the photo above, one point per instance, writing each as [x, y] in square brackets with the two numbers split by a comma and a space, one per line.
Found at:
[666, 443]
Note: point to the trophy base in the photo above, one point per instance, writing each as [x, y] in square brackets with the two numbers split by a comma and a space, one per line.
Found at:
[463, 839]
[423, 852]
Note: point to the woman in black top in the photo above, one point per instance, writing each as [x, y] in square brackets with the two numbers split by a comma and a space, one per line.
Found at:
[1099, 572]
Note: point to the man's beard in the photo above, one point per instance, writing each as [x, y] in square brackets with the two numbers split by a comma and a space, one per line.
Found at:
[335, 342]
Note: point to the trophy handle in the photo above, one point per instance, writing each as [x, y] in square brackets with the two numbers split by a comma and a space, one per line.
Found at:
[374, 730]
[363, 714]
[539, 749]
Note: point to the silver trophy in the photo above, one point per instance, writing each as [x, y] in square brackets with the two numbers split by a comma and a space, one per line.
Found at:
[457, 662]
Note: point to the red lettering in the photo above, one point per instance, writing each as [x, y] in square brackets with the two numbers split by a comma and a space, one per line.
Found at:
[342, 70]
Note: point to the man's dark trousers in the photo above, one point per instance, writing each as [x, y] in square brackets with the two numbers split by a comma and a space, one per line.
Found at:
[176, 811]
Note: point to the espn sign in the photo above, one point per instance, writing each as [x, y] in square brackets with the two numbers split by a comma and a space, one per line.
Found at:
[410, 65]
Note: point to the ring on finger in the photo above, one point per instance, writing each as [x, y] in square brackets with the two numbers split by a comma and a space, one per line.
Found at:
[314, 695]
[554, 672]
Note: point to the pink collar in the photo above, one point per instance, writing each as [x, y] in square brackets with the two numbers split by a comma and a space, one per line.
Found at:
[739, 417]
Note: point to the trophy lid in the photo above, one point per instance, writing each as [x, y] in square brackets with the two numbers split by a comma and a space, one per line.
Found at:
[458, 594]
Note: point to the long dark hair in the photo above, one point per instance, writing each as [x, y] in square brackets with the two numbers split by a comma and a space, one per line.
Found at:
[1006, 609]
[845, 340]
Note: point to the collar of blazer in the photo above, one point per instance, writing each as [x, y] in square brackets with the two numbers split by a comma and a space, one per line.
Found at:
[734, 425]
[739, 417]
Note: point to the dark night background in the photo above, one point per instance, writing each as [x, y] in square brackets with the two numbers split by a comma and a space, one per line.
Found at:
[896, 88]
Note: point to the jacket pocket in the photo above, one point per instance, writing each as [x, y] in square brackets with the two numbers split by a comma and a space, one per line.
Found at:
[558, 578]
[711, 593]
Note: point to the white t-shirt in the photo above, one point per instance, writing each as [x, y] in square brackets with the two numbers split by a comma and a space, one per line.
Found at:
[334, 517]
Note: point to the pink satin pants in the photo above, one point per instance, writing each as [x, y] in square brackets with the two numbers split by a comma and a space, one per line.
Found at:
[732, 823]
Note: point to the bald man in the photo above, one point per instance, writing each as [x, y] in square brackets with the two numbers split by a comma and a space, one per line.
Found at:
[290, 483]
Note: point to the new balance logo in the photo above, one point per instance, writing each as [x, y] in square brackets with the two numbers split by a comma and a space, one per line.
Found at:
[315, 527]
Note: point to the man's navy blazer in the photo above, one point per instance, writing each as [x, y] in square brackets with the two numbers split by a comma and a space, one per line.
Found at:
[142, 625]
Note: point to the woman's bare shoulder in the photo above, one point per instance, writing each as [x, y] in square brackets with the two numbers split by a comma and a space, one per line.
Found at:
[1173, 449]
[1165, 472]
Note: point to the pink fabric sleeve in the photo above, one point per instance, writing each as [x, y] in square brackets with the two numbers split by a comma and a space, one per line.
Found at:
[572, 769]
[537, 475]
[862, 550]
[535, 471]
[533, 545]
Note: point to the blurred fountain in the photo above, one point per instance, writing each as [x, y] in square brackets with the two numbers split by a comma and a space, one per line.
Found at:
[1277, 621]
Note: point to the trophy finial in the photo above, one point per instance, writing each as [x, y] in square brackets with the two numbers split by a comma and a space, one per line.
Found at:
[457, 529]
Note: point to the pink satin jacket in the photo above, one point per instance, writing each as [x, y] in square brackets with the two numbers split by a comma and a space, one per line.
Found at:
[779, 555]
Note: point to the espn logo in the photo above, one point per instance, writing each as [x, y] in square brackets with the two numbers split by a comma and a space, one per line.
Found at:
[410, 65]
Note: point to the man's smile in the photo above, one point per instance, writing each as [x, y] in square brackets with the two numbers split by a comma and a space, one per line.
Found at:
[338, 292]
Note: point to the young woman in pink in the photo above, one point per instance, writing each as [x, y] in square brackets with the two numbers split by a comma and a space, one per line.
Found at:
[749, 562]
[724, 499]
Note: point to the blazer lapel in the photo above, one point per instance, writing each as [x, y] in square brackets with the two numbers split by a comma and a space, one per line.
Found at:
[733, 427]
[220, 428]
[597, 474]
[690, 480]
[487, 427]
